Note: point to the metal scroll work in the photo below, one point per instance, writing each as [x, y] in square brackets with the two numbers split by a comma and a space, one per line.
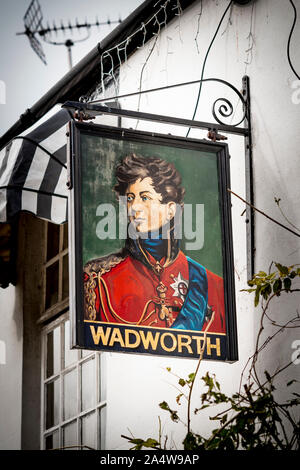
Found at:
[226, 108]
[221, 107]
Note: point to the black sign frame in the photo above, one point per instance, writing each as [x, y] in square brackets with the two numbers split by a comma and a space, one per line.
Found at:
[107, 336]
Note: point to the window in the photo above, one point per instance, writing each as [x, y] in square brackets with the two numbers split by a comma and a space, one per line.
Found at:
[72, 389]
[73, 395]
[56, 271]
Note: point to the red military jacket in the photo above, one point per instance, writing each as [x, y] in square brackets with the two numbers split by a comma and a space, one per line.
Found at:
[122, 289]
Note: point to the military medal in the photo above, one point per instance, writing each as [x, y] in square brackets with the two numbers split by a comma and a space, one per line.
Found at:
[163, 309]
[180, 286]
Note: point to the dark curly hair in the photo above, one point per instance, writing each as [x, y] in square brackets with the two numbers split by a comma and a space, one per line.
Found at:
[166, 179]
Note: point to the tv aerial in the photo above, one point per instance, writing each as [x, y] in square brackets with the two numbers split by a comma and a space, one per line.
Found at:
[33, 23]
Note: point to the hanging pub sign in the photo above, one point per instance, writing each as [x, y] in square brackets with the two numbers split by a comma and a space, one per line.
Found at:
[151, 244]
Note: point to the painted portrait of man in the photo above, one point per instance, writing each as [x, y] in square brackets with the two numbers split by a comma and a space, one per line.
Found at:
[151, 281]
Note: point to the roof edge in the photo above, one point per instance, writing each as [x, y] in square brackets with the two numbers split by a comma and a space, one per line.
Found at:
[89, 64]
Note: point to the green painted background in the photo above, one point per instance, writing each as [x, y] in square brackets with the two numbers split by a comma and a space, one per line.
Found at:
[199, 177]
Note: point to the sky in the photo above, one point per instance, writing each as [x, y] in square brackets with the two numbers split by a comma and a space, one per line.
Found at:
[23, 76]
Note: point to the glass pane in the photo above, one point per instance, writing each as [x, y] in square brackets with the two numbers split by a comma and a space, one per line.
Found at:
[65, 281]
[51, 285]
[70, 434]
[89, 431]
[102, 423]
[70, 394]
[86, 352]
[52, 441]
[71, 355]
[65, 240]
[102, 377]
[52, 404]
[53, 352]
[52, 240]
[88, 386]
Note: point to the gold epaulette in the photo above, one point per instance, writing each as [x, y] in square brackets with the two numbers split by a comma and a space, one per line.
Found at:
[93, 269]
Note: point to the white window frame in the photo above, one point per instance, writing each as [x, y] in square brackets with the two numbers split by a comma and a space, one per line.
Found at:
[62, 303]
[100, 406]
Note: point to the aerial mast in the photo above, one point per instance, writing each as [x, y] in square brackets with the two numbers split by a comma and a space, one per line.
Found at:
[33, 23]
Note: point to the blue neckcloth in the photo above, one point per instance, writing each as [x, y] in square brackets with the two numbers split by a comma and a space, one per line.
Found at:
[192, 313]
[156, 245]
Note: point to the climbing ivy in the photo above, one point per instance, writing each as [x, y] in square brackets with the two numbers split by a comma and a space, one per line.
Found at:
[252, 418]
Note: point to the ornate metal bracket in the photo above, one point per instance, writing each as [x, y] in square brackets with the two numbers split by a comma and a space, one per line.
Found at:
[225, 109]
[249, 181]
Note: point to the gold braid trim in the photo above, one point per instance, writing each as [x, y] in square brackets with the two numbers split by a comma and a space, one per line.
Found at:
[90, 298]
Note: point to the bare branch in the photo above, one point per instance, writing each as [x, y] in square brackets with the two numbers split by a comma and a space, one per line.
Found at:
[263, 213]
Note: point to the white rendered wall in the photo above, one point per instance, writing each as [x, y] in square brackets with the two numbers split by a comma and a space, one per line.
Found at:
[11, 350]
[137, 384]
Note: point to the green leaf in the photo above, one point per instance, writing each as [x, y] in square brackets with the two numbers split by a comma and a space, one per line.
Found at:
[262, 274]
[192, 441]
[174, 416]
[136, 441]
[151, 443]
[277, 286]
[182, 382]
[287, 283]
[283, 270]
[192, 376]
[271, 276]
[266, 291]
[256, 299]
[140, 443]
[164, 406]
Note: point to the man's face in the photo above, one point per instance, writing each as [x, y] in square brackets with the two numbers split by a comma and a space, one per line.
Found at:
[145, 209]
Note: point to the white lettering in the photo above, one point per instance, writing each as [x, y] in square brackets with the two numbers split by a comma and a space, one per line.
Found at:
[2, 92]
[296, 93]
[198, 234]
[296, 354]
[106, 227]
[2, 352]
